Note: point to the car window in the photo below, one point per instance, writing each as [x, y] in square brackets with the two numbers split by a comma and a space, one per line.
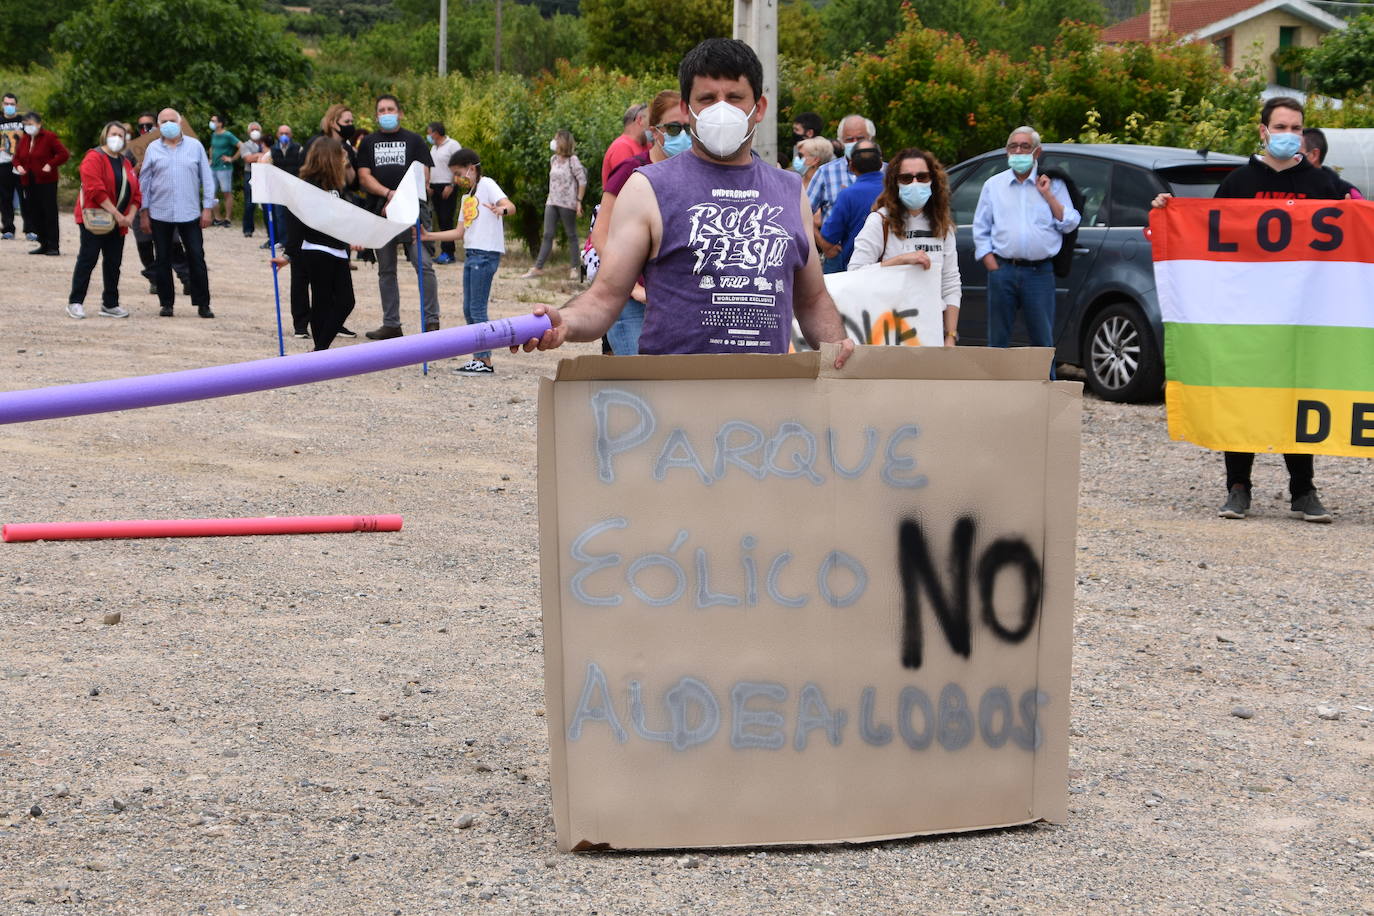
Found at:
[1132, 191]
[965, 199]
[1093, 177]
[1195, 180]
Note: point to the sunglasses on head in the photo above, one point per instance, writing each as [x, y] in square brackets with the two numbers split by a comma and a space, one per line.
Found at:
[672, 128]
[909, 177]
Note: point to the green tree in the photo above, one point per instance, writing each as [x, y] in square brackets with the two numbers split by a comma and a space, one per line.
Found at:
[650, 36]
[1344, 61]
[853, 25]
[25, 30]
[199, 56]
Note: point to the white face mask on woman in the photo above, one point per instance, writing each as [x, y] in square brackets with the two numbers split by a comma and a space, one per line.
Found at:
[114, 142]
[31, 129]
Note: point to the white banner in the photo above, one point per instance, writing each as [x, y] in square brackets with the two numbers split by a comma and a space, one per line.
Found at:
[335, 216]
[879, 305]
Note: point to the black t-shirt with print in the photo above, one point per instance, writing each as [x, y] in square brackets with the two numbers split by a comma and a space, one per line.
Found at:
[389, 155]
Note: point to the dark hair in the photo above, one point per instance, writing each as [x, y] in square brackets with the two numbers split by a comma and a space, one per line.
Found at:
[1313, 138]
[435, 127]
[868, 159]
[10, 95]
[464, 158]
[811, 121]
[382, 98]
[1279, 101]
[324, 165]
[936, 209]
[32, 116]
[147, 114]
[223, 121]
[720, 58]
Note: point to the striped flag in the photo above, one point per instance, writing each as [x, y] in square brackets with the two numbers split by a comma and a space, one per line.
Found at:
[1268, 310]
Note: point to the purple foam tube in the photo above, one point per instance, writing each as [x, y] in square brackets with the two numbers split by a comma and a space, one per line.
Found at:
[263, 374]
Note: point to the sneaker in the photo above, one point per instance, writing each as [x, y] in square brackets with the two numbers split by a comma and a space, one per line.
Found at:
[532, 273]
[345, 332]
[444, 258]
[475, 367]
[115, 312]
[39, 251]
[52, 253]
[431, 325]
[248, 235]
[165, 312]
[30, 236]
[7, 236]
[300, 334]
[152, 289]
[1237, 503]
[76, 310]
[384, 333]
[204, 312]
[265, 246]
[1310, 508]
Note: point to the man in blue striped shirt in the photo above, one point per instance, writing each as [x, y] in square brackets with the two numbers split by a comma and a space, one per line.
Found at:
[1018, 228]
[175, 178]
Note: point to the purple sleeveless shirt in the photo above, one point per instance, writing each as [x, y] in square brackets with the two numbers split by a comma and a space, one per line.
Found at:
[733, 241]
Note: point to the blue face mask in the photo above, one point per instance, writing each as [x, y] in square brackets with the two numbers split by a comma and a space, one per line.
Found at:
[213, 125]
[429, 138]
[284, 140]
[388, 122]
[169, 129]
[849, 148]
[798, 165]
[1021, 163]
[914, 195]
[679, 144]
[1284, 146]
[10, 111]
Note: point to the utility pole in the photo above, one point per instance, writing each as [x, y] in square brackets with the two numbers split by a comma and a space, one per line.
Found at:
[756, 24]
[443, 37]
[496, 51]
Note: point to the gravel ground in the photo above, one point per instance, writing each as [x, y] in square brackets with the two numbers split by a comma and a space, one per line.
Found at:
[354, 723]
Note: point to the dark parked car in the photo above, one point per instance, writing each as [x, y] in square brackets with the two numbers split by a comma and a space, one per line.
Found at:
[1107, 316]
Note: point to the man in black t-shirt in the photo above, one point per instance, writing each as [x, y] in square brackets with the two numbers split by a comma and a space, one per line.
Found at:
[1279, 172]
[383, 158]
[11, 129]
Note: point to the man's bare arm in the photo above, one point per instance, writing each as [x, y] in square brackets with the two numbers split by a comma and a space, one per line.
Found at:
[816, 313]
[370, 184]
[630, 241]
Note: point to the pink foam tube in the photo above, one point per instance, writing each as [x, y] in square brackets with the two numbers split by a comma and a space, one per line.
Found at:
[262, 374]
[199, 527]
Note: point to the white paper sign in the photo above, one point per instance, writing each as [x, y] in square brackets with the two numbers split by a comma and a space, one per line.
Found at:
[335, 216]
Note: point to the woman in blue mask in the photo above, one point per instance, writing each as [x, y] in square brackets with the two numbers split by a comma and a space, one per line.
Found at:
[567, 184]
[911, 226]
[671, 137]
[809, 156]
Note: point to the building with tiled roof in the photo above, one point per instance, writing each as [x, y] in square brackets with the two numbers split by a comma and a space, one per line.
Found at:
[1238, 28]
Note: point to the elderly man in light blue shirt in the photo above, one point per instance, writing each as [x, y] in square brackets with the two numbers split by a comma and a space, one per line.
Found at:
[832, 178]
[178, 197]
[1018, 228]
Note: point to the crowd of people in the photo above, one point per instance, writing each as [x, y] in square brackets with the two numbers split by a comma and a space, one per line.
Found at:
[688, 212]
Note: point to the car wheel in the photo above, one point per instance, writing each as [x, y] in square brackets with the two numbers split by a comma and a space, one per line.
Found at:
[1122, 358]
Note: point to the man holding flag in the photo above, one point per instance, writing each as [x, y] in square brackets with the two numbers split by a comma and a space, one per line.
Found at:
[1279, 172]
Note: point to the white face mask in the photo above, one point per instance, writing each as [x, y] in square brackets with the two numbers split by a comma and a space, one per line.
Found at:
[553, 146]
[31, 129]
[255, 135]
[114, 142]
[723, 129]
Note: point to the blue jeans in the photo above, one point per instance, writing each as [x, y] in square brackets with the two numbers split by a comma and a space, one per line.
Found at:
[832, 265]
[479, 269]
[1029, 288]
[624, 334]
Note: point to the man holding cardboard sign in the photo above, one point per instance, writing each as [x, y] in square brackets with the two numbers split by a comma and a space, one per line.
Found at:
[720, 236]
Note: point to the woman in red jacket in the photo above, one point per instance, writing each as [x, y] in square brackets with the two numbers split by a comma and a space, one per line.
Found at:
[37, 160]
[108, 183]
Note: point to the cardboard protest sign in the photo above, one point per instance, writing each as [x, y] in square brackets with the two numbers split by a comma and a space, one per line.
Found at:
[788, 605]
[1268, 330]
[879, 305]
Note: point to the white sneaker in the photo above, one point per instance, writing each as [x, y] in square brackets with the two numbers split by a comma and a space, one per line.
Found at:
[475, 367]
[76, 310]
[116, 312]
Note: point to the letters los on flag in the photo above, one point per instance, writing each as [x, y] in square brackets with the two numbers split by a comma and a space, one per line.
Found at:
[1268, 323]
[784, 604]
